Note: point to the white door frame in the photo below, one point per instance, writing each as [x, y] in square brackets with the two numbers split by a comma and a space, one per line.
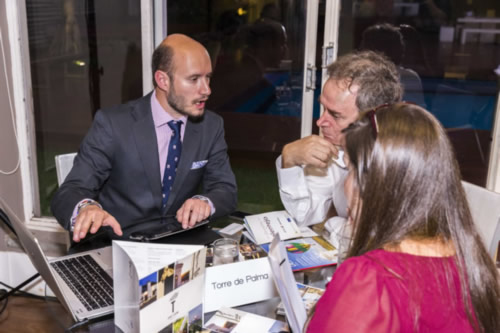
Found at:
[493, 180]
[153, 31]
[309, 82]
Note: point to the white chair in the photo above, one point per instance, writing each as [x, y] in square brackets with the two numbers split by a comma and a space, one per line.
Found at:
[64, 163]
[485, 209]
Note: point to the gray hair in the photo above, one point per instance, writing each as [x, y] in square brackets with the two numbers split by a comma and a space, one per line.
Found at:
[376, 76]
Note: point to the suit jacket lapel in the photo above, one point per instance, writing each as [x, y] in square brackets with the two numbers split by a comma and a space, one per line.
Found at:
[145, 138]
[190, 146]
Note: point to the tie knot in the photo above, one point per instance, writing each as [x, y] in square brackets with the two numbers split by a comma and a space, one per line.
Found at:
[175, 125]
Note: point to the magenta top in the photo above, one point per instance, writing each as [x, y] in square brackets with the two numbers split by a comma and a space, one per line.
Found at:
[381, 291]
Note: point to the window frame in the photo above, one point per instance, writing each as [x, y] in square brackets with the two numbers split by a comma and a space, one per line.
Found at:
[493, 178]
[153, 31]
[23, 98]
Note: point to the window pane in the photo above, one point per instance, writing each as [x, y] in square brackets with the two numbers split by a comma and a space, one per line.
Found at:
[453, 78]
[257, 51]
[84, 55]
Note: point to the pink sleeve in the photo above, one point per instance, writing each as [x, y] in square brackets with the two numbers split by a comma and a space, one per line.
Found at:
[356, 300]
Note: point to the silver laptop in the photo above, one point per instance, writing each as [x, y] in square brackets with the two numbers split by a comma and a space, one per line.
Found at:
[82, 282]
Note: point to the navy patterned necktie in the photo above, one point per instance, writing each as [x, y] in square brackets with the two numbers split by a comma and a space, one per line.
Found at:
[173, 157]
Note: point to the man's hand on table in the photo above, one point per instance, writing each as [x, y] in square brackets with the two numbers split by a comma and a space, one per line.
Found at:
[193, 211]
[93, 217]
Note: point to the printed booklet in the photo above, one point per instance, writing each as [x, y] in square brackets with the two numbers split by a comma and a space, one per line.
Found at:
[263, 227]
[283, 278]
[158, 287]
[228, 320]
[311, 252]
[310, 296]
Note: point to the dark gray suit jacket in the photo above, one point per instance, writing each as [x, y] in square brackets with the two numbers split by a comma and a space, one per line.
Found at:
[118, 165]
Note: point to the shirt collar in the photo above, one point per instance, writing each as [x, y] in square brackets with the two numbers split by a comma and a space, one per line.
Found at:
[160, 116]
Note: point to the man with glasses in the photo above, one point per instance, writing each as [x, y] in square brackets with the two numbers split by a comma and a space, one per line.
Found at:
[311, 171]
[150, 157]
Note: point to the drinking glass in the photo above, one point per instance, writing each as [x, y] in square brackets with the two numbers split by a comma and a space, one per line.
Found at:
[226, 251]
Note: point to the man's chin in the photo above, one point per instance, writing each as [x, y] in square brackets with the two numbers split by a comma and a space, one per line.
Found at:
[333, 141]
[196, 115]
[193, 114]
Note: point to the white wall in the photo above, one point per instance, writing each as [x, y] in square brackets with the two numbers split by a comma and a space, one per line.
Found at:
[10, 185]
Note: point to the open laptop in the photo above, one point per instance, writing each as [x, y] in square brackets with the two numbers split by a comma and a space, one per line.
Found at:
[82, 282]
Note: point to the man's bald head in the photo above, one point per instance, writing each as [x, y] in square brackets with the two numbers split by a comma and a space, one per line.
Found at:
[173, 46]
[182, 42]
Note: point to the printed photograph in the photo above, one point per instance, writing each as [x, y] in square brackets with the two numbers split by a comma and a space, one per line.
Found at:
[195, 317]
[225, 327]
[209, 260]
[252, 251]
[148, 287]
[198, 264]
[181, 325]
[310, 296]
[165, 280]
[182, 271]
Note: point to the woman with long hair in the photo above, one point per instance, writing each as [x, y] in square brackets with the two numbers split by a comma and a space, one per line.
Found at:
[416, 262]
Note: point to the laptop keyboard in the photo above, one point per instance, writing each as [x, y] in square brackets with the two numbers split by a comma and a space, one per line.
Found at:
[88, 281]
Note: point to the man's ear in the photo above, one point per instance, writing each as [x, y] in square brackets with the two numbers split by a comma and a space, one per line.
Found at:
[162, 80]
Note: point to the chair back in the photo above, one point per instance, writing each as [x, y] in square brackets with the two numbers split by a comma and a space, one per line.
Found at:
[485, 209]
[64, 163]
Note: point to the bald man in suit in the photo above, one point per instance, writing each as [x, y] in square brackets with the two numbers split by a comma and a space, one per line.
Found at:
[118, 176]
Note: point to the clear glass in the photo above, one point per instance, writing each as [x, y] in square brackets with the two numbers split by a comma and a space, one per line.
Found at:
[84, 55]
[226, 251]
[451, 75]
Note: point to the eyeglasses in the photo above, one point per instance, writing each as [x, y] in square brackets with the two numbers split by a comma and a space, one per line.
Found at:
[372, 114]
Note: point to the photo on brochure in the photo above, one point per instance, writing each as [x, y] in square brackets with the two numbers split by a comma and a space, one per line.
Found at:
[148, 286]
[310, 296]
[198, 265]
[310, 252]
[165, 280]
[182, 272]
[180, 325]
[195, 317]
[252, 251]
[209, 261]
[226, 320]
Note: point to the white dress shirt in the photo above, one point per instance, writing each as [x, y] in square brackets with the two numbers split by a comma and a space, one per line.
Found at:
[308, 193]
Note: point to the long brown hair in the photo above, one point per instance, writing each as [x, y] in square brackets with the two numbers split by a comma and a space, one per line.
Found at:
[410, 188]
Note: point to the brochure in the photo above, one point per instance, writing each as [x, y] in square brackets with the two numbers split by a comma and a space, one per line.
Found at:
[228, 320]
[306, 253]
[158, 287]
[263, 227]
[249, 251]
[310, 296]
[283, 278]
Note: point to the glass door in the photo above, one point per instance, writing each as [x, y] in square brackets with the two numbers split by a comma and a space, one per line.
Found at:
[84, 55]
[258, 50]
[447, 57]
